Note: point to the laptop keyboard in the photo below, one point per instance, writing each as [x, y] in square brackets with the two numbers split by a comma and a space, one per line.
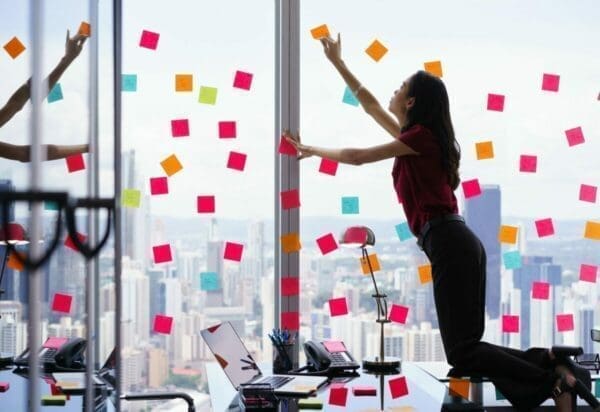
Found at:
[276, 381]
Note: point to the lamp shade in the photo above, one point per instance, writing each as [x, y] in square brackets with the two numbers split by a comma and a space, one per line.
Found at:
[13, 233]
[357, 236]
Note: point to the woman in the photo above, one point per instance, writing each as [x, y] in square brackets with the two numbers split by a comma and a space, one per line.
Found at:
[425, 175]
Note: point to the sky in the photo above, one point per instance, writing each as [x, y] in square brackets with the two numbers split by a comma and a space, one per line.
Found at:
[499, 47]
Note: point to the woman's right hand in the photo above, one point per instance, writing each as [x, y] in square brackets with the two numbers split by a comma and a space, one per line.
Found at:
[332, 49]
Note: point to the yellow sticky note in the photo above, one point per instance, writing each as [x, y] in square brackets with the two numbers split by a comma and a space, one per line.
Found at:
[434, 67]
[184, 82]
[85, 29]
[14, 263]
[130, 197]
[14, 47]
[508, 234]
[460, 386]
[374, 264]
[171, 165]
[290, 242]
[425, 273]
[319, 31]
[592, 230]
[376, 50]
[485, 150]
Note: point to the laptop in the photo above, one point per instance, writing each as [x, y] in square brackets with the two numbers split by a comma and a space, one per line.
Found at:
[74, 382]
[240, 367]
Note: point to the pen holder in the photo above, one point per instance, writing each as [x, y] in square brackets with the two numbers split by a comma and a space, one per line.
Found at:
[283, 358]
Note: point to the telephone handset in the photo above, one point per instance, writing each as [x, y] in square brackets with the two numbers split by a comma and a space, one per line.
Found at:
[319, 358]
[57, 355]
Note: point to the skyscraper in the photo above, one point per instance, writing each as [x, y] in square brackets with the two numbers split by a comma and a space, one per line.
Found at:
[10, 282]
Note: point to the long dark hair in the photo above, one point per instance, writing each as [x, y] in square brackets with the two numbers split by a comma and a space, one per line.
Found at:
[432, 110]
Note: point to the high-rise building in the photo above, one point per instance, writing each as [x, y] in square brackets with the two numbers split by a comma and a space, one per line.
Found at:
[136, 243]
[158, 364]
[10, 281]
[136, 303]
[584, 327]
[214, 263]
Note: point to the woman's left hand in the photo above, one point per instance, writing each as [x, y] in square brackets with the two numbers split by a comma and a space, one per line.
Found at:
[303, 151]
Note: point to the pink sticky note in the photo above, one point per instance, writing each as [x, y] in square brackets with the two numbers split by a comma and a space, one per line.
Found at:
[398, 313]
[540, 290]
[236, 161]
[205, 204]
[69, 242]
[180, 127]
[364, 390]
[242, 80]
[327, 166]
[227, 130]
[334, 346]
[75, 163]
[290, 320]
[564, 322]
[544, 227]
[162, 324]
[550, 82]
[495, 102]
[62, 302]
[54, 342]
[528, 163]
[4, 386]
[162, 253]
[510, 323]
[149, 39]
[290, 199]
[287, 148]
[233, 251]
[588, 273]
[338, 395]
[290, 286]
[574, 136]
[159, 185]
[588, 193]
[471, 188]
[327, 243]
[338, 307]
[398, 387]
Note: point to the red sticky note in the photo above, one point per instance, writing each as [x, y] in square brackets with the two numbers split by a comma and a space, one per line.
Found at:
[398, 313]
[75, 162]
[338, 395]
[574, 136]
[510, 323]
[236, 161]
[550, 82]
[338, 307]
[540, 290]
[398, 387]
[329, 167]
[334, 346]
[290, 320]
[290, 199]
[205, 204]
[62, 302]
[149, 39]
[327, 243]
[287, 148]
[364, 390]
[233, 251]
[290, 286]
[588, 273]
[162, 253]
[162, 324]
[242, 80]
[180, 127]
[588, 193]
[4, 386]
[564, 322]
[528, 163]
[54, 342]
[544, 227]
[227, 130]
[159, 185]
[495, 102]
[471, 188]
[69, 242]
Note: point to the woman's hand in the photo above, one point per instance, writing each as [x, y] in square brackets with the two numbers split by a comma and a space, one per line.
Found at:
[332, 49]
[73, 46]
[303, 151]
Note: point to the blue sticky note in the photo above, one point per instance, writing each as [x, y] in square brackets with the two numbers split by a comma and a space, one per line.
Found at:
[597, 389]
[55, 94]
[403, 231]
[512, 259]
[350, 98]
[499, 395]
[49, 205]
[350, 205]
[129, 83]
[209, 281]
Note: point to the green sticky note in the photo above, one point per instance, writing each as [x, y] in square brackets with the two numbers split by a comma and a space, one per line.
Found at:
[57, 400]
[129, 82]
[55, 94]
[403, 231]
[48, 205]
[349, 97]
[597, 389]
[209, 281]
[208, 95]
[350, 205]
[130, 198]
[310, 403]
[512, 259]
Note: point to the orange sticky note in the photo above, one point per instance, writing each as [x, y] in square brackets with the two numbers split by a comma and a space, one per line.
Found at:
[376, 50]
[434, 67]
[460, 386]
[14, 263]
[184, 82]
[14, 47]
[485, 150]
[171, 165]
[373, 261]
[508, 234]
[319, 31]
[592, 230]
[84, 29]
[425, 273]
[290, 242]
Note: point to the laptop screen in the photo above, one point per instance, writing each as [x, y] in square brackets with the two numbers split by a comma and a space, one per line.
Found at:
[230, 353]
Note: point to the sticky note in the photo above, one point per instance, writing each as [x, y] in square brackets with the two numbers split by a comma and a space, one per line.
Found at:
[69, 242]
[149, 39]
[55, 94]
[162, 324]
[485, 150]
[403, 231]
[159, 185]
[512, 259]
[131, 198]
[592, 230]
[499, 395]
[209, 281]
[575, 136]
[510, 323]
[398, 387]
[528, 163]
[310, 403]
[205, 204]
[290, 320]
[184, 82]
[338, 395]
[540, 290]
[4, 386]
[319, 31]
[373, 261]
[53, 400]
[62, 302]
[350, 205]
[334, 346]
[171, 165]
[425, 274]
[14, 47]
[236, 161]
[376, 50]
[588, 273]
[495, 102]
[544, 227]
[338, 307]
[471, 188]
[364, 390]
[290, 242]
[55, 342]
[587, 193]
[508, 234]
[286, 148]
[290, 199]
[208, 95]
[564, 322]
[433, 67]
[597, 389]
[227, 130]
[550, 82]
[349, 97]
[75, 163]
[180, 127]
[328, 166]
[14, 263]
[49, 205]
[242, 80]
[162, 253]
[460, 387]
[129, 82]
[290, 286]
[233, 251]
[85, 29]
[398, 313]
[327, 243]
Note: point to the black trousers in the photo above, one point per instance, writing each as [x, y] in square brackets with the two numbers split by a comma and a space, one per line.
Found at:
[458, 262]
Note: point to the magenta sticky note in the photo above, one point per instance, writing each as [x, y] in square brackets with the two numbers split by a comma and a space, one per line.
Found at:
[149, 39]
[334, 346]
[162, 324]
[564, 322]
[236, 161]
[242, 80]
[227, 130]
[159, 185]
[287, 148]
[180, 127]
[398, 387]
[471, 188]
[398, 313]
[205, 204]
[587, 193]
[510, 323]
[495, 102]
[162, 253]
[233, 251]
[327, 243]
[588, 273]
[290, 199]
[544, 227]
[62, 302]
[338, 395]
[290, 286]
[550, 82]
[75, 163]
[540, 290]
[55, 342]
[528, 163]
[338, 307]
[328, 166]
[290, 320]
[575, 136]
[364, 390]
[4, 386]
[69, 242]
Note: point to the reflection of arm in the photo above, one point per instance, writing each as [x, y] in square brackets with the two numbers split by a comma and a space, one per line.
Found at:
[52, 151]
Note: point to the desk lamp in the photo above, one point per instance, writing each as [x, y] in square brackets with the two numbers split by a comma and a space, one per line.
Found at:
[14, 234]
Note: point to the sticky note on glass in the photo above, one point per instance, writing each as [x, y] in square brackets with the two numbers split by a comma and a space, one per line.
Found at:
[233, 251]
[227, 130]
[564, 322]
[495, 102]
[592, 230]
[588, 273]
[338, 395]
[508, 234]
[149, 39]
[184, 82]
[398, 387]
[364, 390]
[62, 302]
[460, 387]
[286, 148]
[328, 166]
[209, 281]
[55, 94]
[544, 227]
[485, 150]
[53, 400]
[540, 290]
[575, 136]
[14, 47]
[471, 188]
[398, 313]
[434, 67]
[69, 242]
[310, 403]
[242, 80]
[327, 243]
[403, 231]
[587, 193]
[425, 274]
[550, 82]
[131, 198]
[350, 205]
[349, 97]
[85, 29]
[171, 165]
[4, 386]
[180, 127]
[129, 82]
[319, 31]
[159, 185]
[510, 323]
[14, 263]
[290, 320]
[290, 286]
[162, 253]
[338, 307]
[371, 260]
[512, 259]
[290, 199]
[208, 95]
[75, 163]
[236, 161]
[205, 204]
[290, 242]
[162, 324]
[376, 50]
[528, 163]
[334, 346]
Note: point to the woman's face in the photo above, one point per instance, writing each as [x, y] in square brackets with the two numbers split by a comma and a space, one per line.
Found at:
[400, 103]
